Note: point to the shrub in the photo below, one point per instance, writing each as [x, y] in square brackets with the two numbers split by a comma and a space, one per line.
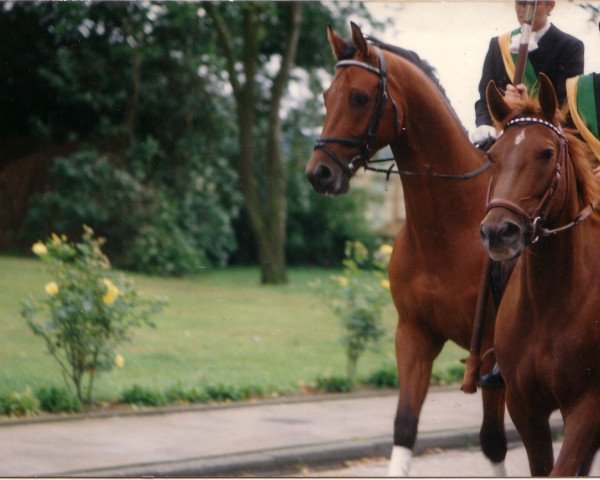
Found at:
[145, 396]
[385, 377]
[57, 399]
[358, 298]
[19, 403]
[178, 393]
[88, 310]
[448, 375]
[334, 384]
[221, 393]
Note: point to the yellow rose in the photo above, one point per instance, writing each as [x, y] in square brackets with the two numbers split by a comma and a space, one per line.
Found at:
[343, 281]
[51, 288]
[39, 249]
[112, 292]
[55, 239]
[385, 283]
[119, 361]
[386, 249]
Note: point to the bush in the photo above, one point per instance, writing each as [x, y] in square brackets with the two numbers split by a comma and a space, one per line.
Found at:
[19, 403]
[178, 393]
[334, 384]
[358, 298]
[88, 310]
[145, 396]
[153, 227]
[451, 374]
[385, 377]
[56, 400]
[222, 393]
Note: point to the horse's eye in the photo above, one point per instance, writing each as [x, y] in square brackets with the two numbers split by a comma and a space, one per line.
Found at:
[358, 99]
[546, 154]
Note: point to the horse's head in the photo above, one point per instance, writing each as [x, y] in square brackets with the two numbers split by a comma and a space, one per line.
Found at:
[359, 114]
[529, 158]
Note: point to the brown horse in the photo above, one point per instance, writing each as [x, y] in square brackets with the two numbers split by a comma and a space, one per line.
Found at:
[542, 210]
[381, 95]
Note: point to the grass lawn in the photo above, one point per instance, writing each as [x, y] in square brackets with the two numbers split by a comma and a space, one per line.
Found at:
[220, 327]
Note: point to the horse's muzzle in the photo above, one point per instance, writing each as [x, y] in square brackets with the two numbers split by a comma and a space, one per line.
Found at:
[326, 179]
[503, 238]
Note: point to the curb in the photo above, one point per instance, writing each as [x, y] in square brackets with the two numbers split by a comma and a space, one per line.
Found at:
[290, 458]
[166, 410]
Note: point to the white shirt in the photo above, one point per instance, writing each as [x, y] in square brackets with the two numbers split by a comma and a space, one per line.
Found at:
[534, 38]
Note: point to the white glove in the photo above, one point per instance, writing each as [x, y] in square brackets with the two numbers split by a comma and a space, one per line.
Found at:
[482, 133]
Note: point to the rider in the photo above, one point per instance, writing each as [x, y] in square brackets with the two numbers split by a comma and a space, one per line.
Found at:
[551, 51]
[556, 53]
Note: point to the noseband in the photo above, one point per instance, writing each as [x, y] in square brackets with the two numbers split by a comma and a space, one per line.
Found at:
[535, 220]
[366, 143]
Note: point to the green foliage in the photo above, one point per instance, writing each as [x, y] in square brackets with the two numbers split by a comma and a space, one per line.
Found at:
[57, 399]
[22, 403]
[450, 374]
[180, 394]
[384, 377]
[145, 396]
[87, 311]
[318, 226]
[358, 298]
[335, 384]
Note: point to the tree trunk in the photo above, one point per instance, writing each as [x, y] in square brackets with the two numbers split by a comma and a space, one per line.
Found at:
[268, 218]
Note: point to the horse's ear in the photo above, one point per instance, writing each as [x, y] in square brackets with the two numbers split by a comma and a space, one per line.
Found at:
[336, 42]
[498, 108]
[359, 40]
[547, 98]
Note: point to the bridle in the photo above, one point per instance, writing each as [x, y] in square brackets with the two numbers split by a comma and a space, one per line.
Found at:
[366, 143]
[536, 219]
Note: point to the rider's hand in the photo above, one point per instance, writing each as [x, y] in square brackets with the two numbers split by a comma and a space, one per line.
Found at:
[515, 94]
[482, 133]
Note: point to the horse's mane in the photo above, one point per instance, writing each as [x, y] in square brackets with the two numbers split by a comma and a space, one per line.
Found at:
[412, 57]
[580, 153]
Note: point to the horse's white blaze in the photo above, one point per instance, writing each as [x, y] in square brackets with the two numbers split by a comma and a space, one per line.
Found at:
[520, 137]
[499, 469]
[400, 461]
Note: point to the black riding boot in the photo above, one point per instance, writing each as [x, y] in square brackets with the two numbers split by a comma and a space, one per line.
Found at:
[493, 379]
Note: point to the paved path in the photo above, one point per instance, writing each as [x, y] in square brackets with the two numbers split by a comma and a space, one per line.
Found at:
[447, 463]
[233, 438]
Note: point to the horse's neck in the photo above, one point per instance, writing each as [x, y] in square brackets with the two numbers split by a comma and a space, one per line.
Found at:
[436, 142]
[558, 261]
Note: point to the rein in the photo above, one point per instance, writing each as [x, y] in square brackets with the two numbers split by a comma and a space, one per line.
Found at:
[536, 219]
[365, 144]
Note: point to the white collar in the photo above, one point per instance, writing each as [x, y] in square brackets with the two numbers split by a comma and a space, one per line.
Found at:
[540, 33]
[533, 39]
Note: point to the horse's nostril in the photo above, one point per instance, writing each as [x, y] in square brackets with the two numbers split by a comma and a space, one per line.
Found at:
[485, 234]
[323, 173]
[509, 231]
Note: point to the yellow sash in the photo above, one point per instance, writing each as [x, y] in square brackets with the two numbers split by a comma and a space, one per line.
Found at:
[509, 64]
[585, 132]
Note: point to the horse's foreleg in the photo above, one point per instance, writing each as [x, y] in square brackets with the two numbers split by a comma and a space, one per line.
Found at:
[414, 356]
[581, 441]
[492, 435]
[534, 429]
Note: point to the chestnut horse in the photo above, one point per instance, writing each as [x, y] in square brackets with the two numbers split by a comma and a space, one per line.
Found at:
[542, 210]
[380, 95]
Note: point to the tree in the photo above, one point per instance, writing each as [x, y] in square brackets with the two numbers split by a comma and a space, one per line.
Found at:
[267, 217]
[131, 137]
